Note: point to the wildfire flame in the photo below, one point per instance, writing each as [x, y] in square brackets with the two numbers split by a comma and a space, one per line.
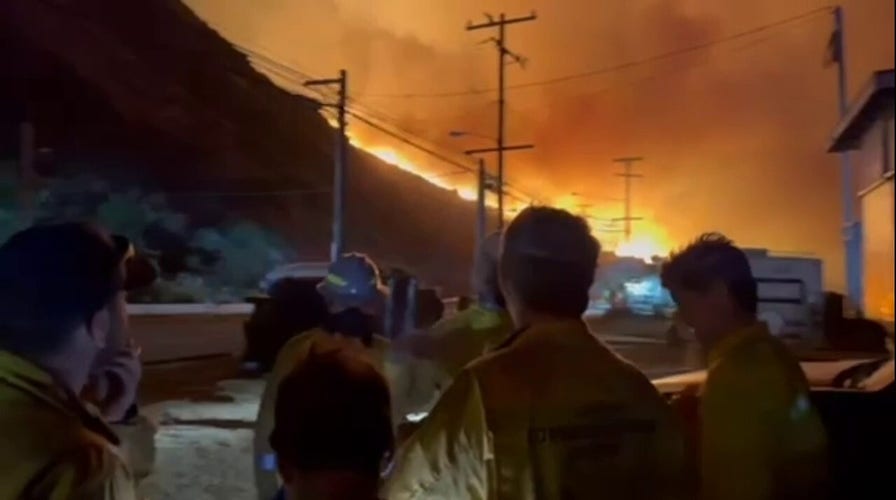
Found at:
[647, 241]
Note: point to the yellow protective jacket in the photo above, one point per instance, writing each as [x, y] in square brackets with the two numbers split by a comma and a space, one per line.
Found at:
[436, 356]
[291, 355]
[761, 438]
[552, 414]
[52, 446]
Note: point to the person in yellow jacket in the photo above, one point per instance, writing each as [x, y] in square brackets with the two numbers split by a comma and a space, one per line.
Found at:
[355, 293]
[438, 354]
[760, 437]
[552, 413]
[58, 287]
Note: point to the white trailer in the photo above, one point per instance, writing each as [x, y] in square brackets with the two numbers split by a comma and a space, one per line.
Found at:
[791, 291]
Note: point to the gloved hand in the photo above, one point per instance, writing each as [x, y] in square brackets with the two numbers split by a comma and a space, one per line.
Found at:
[113, 385]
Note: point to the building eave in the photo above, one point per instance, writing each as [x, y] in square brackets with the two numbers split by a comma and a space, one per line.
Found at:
[876, 95]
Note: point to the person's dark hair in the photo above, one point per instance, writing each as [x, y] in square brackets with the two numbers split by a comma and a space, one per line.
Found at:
[710, 259]
[54, 278]
[333, 412]
[549, 257]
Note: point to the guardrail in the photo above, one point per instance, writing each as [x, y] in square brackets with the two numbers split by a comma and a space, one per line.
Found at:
[240, 308]
[211, 309]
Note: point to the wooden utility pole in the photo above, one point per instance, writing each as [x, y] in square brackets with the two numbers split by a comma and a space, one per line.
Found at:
[852, 226]
[628, 175]
[481, 189]
[340, 167]
[503, 52]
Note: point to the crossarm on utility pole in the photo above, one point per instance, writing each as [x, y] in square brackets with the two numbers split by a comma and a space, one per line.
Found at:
[516, 147]
[628, 175]
[504, 20]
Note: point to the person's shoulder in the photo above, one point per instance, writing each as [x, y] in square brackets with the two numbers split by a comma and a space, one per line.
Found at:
[451, 324]
[301, 341]
[764, 370]
[380, 346]
[93, 469]
[764, 358]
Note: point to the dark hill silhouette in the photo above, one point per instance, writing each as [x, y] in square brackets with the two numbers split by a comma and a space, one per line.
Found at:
[146, 93]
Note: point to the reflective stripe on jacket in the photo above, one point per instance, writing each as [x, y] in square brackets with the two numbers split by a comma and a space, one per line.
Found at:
[553, 414]
[761, 438]
[53, 446]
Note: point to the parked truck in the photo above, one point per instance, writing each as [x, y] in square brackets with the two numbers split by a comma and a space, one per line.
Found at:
[791, 291]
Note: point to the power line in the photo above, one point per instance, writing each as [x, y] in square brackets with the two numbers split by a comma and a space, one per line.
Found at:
[616, 67]
[409, 142]
[367, 115]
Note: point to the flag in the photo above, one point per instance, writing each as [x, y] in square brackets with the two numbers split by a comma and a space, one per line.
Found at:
[832, 53]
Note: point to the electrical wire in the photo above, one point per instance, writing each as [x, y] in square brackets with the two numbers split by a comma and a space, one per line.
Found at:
[616, 67]
[370, 117]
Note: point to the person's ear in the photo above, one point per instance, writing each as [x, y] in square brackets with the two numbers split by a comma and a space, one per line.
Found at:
[98, 327]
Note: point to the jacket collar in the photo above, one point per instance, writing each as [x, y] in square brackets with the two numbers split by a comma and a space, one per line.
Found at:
[26, 377]
[556, 329]
[737, 339]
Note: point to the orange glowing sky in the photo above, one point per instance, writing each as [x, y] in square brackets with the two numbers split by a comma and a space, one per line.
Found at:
[734, 137]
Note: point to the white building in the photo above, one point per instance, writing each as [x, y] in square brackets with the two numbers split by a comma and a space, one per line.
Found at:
[867, 132]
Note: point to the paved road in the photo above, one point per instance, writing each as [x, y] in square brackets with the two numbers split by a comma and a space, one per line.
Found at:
[185, 336]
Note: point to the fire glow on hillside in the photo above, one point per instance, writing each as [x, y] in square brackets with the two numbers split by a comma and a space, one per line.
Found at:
[647, 241]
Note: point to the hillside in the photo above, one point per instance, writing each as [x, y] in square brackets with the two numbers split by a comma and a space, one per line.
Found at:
[146, 95]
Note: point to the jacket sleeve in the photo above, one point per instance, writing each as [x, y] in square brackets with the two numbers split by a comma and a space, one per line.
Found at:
[446, 457]
[416, 383]
[92, 472]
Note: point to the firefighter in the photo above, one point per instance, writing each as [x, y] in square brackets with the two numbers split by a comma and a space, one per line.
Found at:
[759, 437]
[552, 413]
[437, 355]
[355, 296]
[61, 291]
